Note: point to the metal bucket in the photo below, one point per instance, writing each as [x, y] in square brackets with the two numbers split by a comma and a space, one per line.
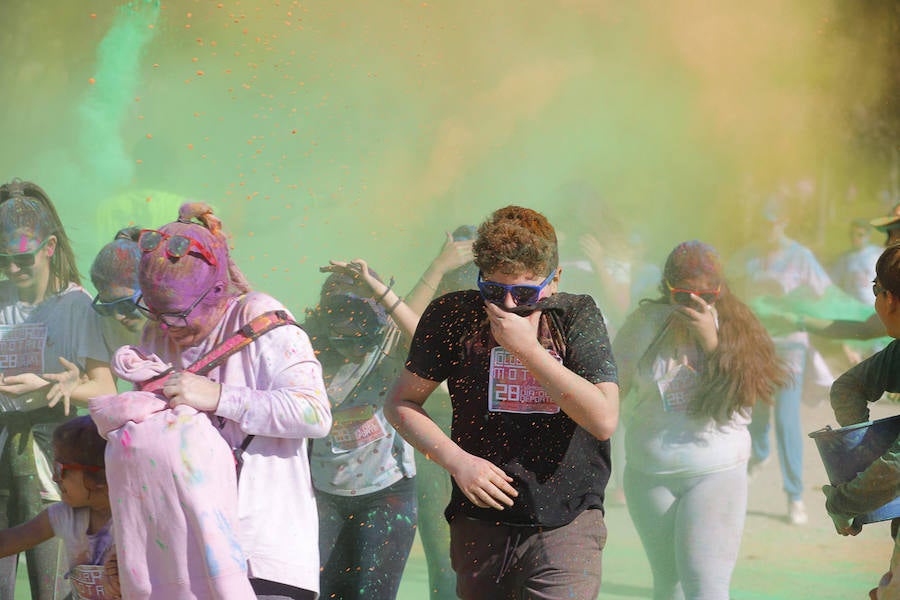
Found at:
[850, 450]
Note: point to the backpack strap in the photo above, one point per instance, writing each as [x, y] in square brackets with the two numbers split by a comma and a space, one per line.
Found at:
[215, 357]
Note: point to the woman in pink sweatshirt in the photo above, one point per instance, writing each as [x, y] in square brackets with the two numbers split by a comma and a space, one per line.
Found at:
[265, 401]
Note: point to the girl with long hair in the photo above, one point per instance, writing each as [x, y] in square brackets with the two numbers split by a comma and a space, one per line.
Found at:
[52, 352]
[692, 364]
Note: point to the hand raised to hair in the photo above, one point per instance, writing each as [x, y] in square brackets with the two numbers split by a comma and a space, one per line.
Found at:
[484, 483]
[356, 268]
[701, 321]
[64, 384]
[454, 254]
[514, 332]
[192, 390]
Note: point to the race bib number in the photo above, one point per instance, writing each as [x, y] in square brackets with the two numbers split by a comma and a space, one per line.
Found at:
[87, 583]
[677, 388]
[355, 427]
[22, 348]
[511, 388]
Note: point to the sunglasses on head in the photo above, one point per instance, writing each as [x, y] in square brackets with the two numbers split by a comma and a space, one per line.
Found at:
[21, 259]
[170, 319]
[683, 296]
[59, 469]
[878, 289]
[126, 307]
[521, 293]
[177, 246]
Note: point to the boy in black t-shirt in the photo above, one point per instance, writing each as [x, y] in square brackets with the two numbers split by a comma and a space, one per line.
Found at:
[535, 400]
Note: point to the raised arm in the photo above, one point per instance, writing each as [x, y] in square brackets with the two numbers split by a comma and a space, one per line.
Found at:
[453, 255]
[405, 317]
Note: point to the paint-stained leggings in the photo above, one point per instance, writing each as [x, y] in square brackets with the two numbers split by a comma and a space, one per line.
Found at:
[364, 541]
[690, 528]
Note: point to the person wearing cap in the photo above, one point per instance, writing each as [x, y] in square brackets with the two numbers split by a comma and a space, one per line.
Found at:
[535, 400]
[850, 395]
[889, 225]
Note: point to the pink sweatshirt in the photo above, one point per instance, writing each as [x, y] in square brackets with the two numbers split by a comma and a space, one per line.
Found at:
[173, 494]
[272, 389]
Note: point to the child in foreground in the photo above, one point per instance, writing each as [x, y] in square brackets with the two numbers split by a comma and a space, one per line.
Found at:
[82, 519]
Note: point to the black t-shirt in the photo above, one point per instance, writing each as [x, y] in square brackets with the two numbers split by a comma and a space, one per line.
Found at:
[558, 468]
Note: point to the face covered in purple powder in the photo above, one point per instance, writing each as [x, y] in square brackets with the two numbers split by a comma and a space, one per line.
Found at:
[184, 280]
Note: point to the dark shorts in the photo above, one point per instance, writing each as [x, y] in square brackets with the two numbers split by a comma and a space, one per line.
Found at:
[501, 562]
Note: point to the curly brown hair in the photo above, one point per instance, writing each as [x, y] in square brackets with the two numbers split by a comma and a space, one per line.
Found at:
[516, 241]
[744, 368]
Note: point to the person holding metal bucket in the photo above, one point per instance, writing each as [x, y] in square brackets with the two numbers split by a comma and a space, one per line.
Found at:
[878, 484]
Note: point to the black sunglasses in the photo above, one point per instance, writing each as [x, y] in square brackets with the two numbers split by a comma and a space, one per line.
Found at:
[126, 307]
[22, 260]
[495, 293]
[170, 319]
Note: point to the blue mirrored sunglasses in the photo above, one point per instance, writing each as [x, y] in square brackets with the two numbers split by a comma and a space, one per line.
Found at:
[521, 293]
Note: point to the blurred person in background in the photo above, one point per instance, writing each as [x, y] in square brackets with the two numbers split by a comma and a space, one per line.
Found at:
[852, 271]
[780, 268]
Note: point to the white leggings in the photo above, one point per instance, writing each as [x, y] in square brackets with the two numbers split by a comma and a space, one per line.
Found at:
[691, 530]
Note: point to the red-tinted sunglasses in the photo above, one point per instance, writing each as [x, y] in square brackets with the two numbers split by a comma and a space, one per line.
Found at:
[683, 296]
[177, 246]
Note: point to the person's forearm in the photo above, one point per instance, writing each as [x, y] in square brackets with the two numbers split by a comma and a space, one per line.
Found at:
[869, 329]
[413, 423]
[91, 388]
[406, 318]
[874, 487]
[594, 408]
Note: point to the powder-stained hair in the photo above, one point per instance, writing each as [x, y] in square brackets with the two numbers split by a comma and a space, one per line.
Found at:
[25, 205]
[744, 368]
[516, 241]
[195, 219]
[117, 262]
[78, 441]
